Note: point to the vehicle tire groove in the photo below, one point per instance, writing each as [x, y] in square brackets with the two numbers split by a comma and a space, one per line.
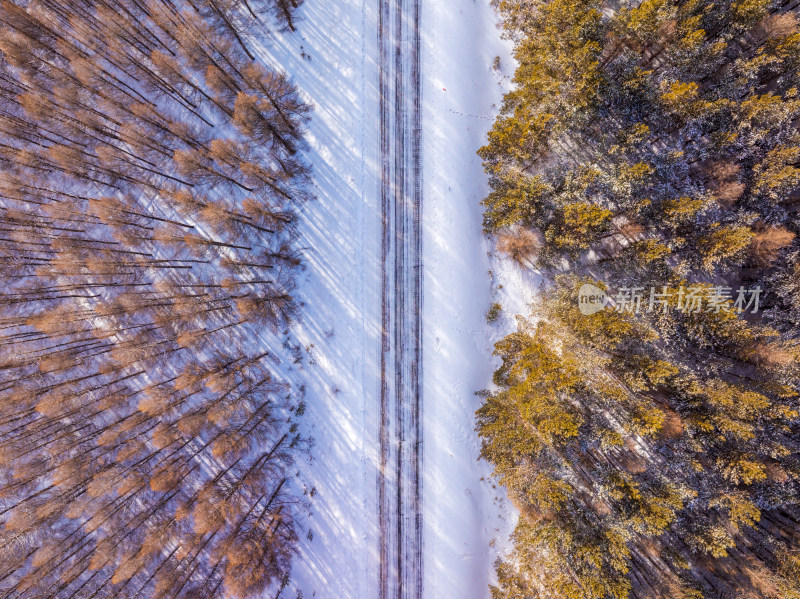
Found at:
[400, 509]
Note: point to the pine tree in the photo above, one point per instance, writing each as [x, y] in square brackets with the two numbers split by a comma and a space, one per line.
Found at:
[651, 452]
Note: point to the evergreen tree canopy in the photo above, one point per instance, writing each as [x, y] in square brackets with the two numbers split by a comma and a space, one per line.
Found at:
[652, 448]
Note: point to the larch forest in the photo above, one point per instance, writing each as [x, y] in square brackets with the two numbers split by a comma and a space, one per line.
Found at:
[150, 174]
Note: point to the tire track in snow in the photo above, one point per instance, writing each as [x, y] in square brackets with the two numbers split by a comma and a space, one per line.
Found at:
[399, 477]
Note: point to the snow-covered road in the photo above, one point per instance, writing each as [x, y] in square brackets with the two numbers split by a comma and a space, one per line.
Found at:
[335, 59]
[400, 511]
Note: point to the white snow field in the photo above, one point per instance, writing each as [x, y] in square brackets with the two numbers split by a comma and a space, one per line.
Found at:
[460, 89]
[333, 58]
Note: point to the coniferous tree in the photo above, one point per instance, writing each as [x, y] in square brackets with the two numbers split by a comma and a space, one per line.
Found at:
[651, 448]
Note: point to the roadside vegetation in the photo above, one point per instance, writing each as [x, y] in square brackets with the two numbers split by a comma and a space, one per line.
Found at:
[150, 170]
[652, 448]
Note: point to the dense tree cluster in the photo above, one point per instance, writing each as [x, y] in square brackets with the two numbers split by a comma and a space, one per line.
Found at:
[149, 175]
[652, 450]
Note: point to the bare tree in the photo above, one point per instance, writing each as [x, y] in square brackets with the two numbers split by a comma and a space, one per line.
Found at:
[145, 234]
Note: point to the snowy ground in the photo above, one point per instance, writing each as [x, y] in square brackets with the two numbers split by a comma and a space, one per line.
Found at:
[341, 287]
[461, 89]
[333, 57]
